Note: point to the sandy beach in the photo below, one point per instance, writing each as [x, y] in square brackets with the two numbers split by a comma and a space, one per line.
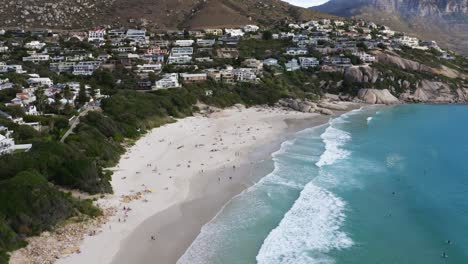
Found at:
[177, 177]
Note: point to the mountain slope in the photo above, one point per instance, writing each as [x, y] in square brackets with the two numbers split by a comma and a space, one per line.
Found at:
[166, 14]
[445, 21]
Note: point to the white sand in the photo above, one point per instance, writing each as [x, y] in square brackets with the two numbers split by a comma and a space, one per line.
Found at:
[167, 158]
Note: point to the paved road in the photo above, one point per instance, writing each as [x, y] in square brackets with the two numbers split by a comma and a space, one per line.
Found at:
[77, 121]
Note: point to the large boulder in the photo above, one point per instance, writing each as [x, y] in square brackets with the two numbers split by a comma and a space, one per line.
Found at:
[374, 96]
[361, 74]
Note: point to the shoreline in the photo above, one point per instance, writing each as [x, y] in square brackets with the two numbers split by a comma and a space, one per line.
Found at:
[177, 227]
[162, 180]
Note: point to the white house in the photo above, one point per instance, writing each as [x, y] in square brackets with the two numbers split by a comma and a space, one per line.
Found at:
[308, 62]
[36, 58]
[407, 41]
[365, 57]
[292, 65]
[40, 82]
[184, 42]
[271, 62]
[181, 51]
[179, 59]
[86, 67]
[296, 51]
[169, 80]
[136, 34]
[96, 34]
[6, 68]
[245, 74]
[34, 45]
[6, 143]
[234, 32]
[146, 68]
[251, 28]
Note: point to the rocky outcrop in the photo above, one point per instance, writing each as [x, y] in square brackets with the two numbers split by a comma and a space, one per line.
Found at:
[404, 64]
[435, 92]
[374, 96]
[298, 105]
[362, 74]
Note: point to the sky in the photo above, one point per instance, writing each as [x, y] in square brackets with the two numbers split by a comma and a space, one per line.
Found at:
[306, 3]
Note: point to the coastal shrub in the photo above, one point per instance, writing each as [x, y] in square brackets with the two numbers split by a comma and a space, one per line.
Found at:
[30, 204]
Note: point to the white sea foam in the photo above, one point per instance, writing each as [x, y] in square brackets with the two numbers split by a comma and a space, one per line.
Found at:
[334, 140]
[309, 230]
[369, 119]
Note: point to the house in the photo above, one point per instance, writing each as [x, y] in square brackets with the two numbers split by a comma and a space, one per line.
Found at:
[183, 59]
[254, 64]
[234, 32]
[34, 45]
[136, 34]
[116, 33]
[184, 42]
[146, 68]
[407, 41]
[245, 74]
[193, 77]
[3, 49]
[124, 49]
[308, 62]
[364, 57]
[15, 68]
[224, 75]
[181, 51]
[96, 35]
[213, 31]
[251, 28]
[6, 143]
[447, 56]
[271, 62]
[227, 53]
[169, 80]
[86, 67]
[24, 98]
[61, 67]
[205, 42]
[37, 81]
[292, 65]
[36, 58]
[293, 51]
[155, 50]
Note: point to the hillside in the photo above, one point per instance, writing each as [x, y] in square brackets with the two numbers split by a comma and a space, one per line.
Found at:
[164, 14]
[445, 21]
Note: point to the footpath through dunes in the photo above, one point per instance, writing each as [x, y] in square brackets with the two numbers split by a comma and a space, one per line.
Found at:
[194, 165]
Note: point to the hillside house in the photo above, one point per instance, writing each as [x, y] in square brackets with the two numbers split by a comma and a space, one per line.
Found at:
[193, 77]
[169, 80]
[308, 62]
[96, 35]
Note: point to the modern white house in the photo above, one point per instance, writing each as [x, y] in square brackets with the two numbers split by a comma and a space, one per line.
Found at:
[245, 74]
[36, 58]
[146, 68]
[169, 80]
[34, 45]
[136, 34]
[251, 28]
[97, 34]
[308, 62]
[6, 144]
[181, 51]
[47, 82]
[292, 65]
[184, 59]
[365, 57]
[293, 51]
[184, 42]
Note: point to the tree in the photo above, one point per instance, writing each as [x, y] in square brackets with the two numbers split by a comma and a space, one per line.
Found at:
[267, 35]
[82, 97]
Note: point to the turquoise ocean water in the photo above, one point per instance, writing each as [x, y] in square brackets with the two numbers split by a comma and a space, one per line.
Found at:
[373, 186]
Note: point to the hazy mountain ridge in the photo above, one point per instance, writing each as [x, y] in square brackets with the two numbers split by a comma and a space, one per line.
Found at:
[68, 14]
[445, 21]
